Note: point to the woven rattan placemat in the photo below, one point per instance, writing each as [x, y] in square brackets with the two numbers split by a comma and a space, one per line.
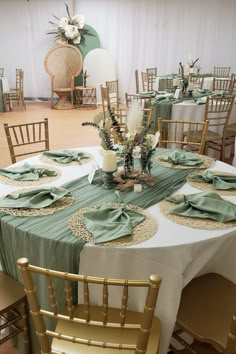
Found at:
[41, 180]
[141, 232]
[204, 186]
[196, 223]
[207, 162]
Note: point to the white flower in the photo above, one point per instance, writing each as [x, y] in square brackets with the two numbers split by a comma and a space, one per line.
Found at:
[78, 20]
[155, 140]
[71, 31]
[134, 118]
[77, 39]
[63, 22]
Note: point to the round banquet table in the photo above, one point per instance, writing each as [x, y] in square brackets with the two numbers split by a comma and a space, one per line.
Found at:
[178, 253]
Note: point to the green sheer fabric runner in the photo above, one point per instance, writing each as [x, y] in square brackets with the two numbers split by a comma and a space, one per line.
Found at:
[107, 223]
[219, 181]
[206, 205]
[33, 199]
[26, 173]
[66, 156]
[184, 158]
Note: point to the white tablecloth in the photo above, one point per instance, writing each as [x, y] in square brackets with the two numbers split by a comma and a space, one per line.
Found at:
[176, 252]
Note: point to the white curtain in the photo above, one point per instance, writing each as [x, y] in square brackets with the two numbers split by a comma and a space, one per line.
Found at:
[137, 33]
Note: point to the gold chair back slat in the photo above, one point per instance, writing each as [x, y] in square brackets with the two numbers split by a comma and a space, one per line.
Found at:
[124, 306]
[51, 294]
[27, 134]
[222, 85]
[136, 81]
[68, 293]
[86, 301]
[222, 70]
[143, 326]
[184, 134]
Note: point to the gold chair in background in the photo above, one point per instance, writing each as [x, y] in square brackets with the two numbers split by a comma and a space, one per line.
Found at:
[183, 134]
[207, 313]
[25, 135]
[16, 94]
[144, 101]
[13, 311]
[121, 116]
[222, 70]
[102, 328]
[197, 81]
[63, 63]
[113, 92]
[1, 72]
[220, 84]
[151, 78]
[136, 81]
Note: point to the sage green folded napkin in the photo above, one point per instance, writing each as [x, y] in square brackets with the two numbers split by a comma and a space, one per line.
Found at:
[184, 158]
[26, 173]
[33, 199]
[107, 223]
[219, 181]
[201, 100]
[206, 205]
[66, 156]
[148, 94]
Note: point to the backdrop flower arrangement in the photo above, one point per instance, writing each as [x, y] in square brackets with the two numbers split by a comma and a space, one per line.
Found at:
[70, 29]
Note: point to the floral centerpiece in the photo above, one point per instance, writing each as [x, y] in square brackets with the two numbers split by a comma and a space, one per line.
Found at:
[70, 29]
[186, 74]
[134, 142]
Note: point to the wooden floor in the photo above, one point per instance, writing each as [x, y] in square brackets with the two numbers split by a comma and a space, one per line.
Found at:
[64, 127]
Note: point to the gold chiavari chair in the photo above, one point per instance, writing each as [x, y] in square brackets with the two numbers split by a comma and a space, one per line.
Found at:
[113, 92]
[217, 113]
[151, 78]
[144, 101]
[22, 137]
[182, 134]
[1, 72]
[222, 71]
[225, 85]
[120, 114]
[197, 81]
[85, 328]
[13, 311]
[105, 101]
[136, 81]
[16, 94]
[207, 313]
[233, 83]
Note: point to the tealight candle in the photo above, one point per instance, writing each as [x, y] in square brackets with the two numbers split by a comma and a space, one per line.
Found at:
[109, 161]
[137, 188]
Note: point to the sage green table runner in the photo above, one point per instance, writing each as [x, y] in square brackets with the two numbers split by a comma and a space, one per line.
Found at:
[47, 241]
[26, 172]
[207, 205]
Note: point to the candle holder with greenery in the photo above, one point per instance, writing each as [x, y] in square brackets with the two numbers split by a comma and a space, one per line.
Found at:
[136, 140]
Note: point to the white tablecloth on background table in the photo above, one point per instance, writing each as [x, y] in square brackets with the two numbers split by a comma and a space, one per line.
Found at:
[176, 252]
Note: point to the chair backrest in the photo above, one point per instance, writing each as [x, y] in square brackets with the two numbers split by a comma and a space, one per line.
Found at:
[144, 76]
[105, 322]
[136, 81]
[222, 70]
[197, 81]
[217, 111]
[144, 102]
[183, 134]
[168, 84]
[120, 114]
[233, 83]
[28, 134]
[113, 92]
[151, 78]
[222, 85]
[1, 72]
[63, 63]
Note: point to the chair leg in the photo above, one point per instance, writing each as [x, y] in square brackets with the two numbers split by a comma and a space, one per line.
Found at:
[26, 335]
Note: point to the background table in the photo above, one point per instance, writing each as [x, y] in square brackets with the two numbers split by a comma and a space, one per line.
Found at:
[176, 252]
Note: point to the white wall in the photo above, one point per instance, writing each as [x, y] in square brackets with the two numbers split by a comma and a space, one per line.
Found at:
[137, 33]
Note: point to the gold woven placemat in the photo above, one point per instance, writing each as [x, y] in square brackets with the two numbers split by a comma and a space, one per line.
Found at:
[141, 232]
[59, 205]
[195, 223]
[204, 186]
[49, 161]
[207, 162]
[41, 180]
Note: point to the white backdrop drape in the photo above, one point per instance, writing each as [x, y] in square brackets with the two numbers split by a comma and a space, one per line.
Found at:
[137, 33]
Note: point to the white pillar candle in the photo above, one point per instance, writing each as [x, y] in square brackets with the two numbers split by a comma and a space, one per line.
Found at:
[109, 161]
